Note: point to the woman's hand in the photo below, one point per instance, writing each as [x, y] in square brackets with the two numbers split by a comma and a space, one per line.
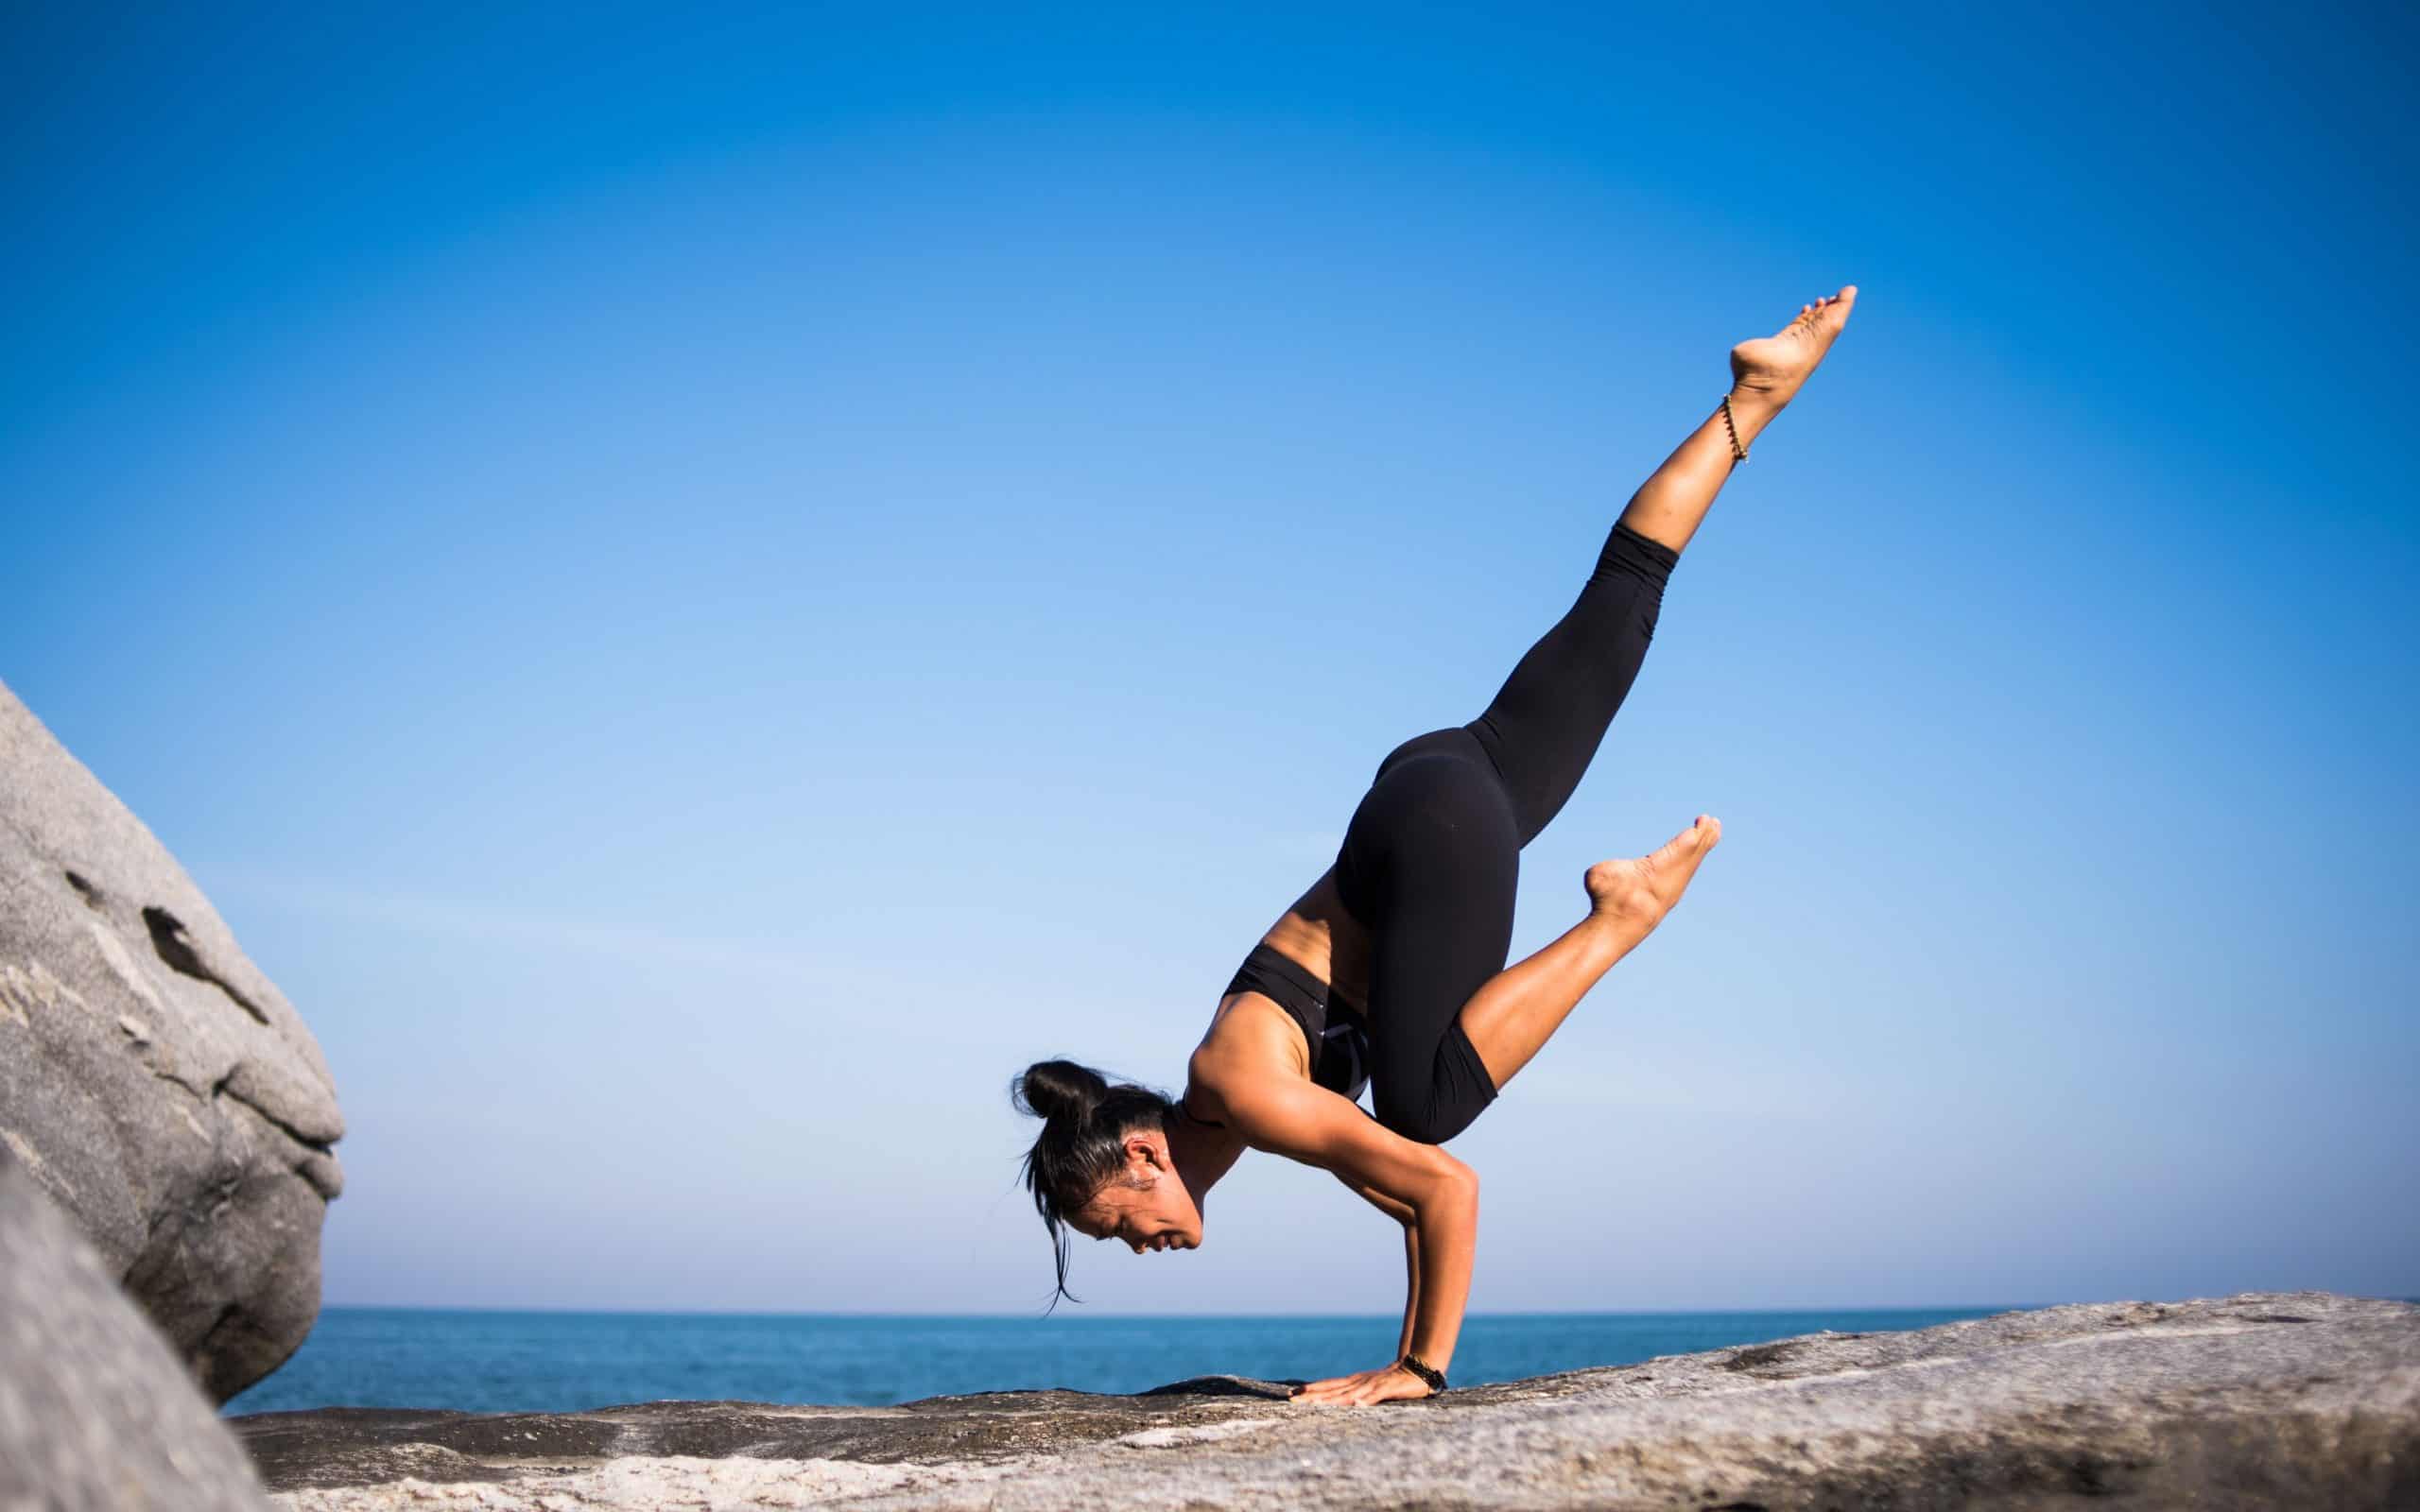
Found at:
[1291, 1117]
[1387, 1384]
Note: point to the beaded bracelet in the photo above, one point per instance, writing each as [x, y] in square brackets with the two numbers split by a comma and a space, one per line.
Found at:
[1426, 1371]
[1738, 453]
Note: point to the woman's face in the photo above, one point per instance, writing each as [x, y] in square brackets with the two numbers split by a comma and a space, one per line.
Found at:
[1146, 1206]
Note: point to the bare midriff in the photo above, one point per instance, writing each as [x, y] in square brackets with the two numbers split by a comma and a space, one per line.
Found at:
[1320, 938]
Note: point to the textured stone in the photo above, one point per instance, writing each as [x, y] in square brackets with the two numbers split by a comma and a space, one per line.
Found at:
[96, 1411]
[2261, 1401]
[161, 1089]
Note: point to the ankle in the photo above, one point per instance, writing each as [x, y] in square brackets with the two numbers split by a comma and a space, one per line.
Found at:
[1764, 400]
[1753, 408]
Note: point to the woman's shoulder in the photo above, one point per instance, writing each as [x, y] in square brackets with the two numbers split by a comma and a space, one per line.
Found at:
[1252, 1038]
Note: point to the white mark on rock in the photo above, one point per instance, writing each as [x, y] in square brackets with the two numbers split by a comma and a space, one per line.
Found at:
[1200, 1433]
[56, 1184]
[137, 981]
[24, 988]
[135, 1029]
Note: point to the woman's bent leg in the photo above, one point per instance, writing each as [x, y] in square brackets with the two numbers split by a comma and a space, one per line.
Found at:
[1430, 865]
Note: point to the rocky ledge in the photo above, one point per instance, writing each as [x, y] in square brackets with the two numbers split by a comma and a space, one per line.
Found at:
[2262, 1399]
[153, 1082]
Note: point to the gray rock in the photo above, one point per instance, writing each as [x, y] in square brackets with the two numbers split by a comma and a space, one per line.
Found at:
[152, 1080]
[2261, 1401]
[96, 1411]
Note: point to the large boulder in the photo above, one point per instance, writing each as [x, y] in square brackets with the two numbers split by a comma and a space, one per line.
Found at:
[2246, 1404]
[97, 1413]
[152, 1080]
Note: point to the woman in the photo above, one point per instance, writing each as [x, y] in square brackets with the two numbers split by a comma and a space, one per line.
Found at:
[1390, 972]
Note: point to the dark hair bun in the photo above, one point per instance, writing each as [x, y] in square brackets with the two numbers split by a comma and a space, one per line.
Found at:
[1082, 1145]
[1051, 1089]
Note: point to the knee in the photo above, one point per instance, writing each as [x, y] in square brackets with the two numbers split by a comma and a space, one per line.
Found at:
[1628, 554]
[1431, 1123]
[1435, 1107]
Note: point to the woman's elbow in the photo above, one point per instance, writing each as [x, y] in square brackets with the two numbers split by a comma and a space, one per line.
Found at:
[1450, 1181]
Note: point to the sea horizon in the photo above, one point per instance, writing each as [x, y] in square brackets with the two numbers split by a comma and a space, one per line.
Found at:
[1103, 1313]
[502, 1360]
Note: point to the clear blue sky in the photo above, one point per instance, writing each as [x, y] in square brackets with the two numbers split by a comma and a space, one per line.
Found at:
[701, 592]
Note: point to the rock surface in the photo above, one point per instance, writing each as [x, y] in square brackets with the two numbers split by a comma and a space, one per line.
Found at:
[159, 1088]
[96, 1411]
[2264, 1400]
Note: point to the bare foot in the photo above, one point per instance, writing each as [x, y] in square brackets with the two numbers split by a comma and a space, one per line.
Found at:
[1637, 894]
[1772, 368]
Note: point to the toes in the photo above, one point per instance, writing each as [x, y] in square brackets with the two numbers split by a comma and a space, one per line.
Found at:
[1689, 842]
[1823, 314]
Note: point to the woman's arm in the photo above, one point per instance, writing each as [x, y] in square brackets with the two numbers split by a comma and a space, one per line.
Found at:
[1314, 1126]
[1445, 1244]
[1404, 1215]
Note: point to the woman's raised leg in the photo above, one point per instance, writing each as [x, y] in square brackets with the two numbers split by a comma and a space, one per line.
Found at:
[1544, 727]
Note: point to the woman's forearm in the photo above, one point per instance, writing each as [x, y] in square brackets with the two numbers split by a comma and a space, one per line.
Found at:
[1444, 1243]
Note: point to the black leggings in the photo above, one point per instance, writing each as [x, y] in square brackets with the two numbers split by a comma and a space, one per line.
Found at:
[1432, 859]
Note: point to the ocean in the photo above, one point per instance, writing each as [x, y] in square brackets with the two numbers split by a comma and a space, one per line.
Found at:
[566, 1362]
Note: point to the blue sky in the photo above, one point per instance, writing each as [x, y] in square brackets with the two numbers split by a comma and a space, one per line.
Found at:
[702, 593]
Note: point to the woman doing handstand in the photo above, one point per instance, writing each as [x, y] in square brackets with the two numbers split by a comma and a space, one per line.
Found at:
[1390, 972]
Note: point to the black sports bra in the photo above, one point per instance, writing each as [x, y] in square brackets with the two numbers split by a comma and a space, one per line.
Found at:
[1337, 1031]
